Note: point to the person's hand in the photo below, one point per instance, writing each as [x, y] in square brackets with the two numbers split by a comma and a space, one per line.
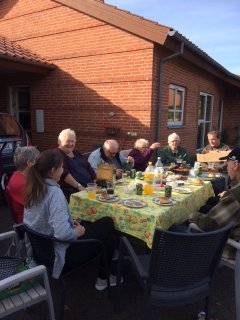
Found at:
[79, 229]
[130, 160]
[80, 187]
[119, 173]
[155, 145]
[190, 218]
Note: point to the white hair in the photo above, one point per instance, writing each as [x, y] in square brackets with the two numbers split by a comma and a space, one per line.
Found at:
[139, 143]
[110, 143]
[66, 133]
[173, 137]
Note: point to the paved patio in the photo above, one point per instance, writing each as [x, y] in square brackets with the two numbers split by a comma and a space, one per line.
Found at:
[86, 303]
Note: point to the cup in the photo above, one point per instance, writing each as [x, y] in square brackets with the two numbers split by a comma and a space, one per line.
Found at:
[211, 165]
[91, 190]
[110, 187]
[124, 175]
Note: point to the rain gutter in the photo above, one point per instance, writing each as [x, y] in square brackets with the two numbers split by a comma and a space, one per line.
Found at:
[172, 56]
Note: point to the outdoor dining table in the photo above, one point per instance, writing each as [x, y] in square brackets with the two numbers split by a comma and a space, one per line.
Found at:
[141, 222]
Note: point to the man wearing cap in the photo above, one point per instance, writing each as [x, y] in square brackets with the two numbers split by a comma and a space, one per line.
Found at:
[228, 208]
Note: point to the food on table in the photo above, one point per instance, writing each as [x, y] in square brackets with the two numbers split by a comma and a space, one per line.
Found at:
[198, 181]
[139, 175]
[211, 175]
[165, 200]
[104, 194]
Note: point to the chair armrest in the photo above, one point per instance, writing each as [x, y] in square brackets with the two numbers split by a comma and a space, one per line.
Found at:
[126, 245]
[7, 235]
[233, 243]
[21, 276]
[195, 227]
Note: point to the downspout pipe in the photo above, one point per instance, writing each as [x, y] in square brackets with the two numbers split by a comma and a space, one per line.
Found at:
[172, 56]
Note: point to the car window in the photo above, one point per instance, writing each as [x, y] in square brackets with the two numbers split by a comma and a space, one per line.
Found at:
[8, 126]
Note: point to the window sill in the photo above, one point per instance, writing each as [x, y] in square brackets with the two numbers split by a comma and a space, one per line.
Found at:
[175, 126]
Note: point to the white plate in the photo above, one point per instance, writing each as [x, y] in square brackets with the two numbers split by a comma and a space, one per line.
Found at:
[182, 190]
[172, 202]
[133, 203]
[111, 198]
[121, 182]
[207, 178]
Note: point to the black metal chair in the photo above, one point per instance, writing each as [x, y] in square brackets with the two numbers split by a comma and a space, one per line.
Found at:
[179, 269]
[43, 253]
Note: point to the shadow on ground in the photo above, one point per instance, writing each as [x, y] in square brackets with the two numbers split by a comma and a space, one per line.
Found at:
[85, 303]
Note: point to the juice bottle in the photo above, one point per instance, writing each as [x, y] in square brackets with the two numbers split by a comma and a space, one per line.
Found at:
[149, 179]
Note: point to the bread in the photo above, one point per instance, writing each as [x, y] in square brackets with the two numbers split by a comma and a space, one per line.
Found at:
[104, 195]
[164, 199]
[198, 181]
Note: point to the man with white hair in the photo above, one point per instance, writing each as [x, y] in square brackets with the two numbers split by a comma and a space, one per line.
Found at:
[173, 152]
[109, 153]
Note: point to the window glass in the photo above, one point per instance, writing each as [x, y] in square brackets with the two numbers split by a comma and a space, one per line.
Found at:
[175, 105]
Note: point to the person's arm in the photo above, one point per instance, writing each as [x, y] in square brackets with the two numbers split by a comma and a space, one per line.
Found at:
[69, 179]
[226, 210]
[94, 159]
[60, 219]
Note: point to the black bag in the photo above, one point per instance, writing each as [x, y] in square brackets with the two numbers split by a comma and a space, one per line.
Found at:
[8, 266]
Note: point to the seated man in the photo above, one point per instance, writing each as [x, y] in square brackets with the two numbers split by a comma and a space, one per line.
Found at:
[109, 153]
[228, 207]
[173, 152]
[214, 145]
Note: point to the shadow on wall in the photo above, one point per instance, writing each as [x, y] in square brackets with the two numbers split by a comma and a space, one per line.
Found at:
[68, 103]
[6, 7]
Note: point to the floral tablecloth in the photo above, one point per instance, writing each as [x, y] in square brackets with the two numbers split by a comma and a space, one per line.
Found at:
[140, 222]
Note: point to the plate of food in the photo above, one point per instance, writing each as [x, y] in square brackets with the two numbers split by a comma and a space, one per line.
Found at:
[121, 182]
[133, 203]
[164, 201]
[210, 176]
[107, 197]
[182, 190]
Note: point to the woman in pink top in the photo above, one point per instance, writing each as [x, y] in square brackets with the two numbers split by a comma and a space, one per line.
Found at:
[24, 157]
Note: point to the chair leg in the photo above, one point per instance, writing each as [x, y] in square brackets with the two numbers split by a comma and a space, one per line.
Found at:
[147, 311]
[237, 284]
[208, 309]
[62, 299]
[49, 297]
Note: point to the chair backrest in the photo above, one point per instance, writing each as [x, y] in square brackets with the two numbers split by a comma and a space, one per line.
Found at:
[42, 246]
[181, 260]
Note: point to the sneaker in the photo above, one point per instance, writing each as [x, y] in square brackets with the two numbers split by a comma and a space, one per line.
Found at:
[101, 284]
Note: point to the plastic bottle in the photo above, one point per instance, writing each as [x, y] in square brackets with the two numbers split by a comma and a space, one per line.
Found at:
[158, 172]
[149, 178]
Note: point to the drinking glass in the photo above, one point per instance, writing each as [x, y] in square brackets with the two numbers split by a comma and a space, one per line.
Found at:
[211, 165]
[110, 187]
[91, 190]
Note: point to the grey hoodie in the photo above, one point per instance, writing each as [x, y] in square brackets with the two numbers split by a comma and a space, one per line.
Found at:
[51, 217]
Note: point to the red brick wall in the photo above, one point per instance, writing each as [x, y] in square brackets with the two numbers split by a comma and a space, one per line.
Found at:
[194, 80]
[100, 70]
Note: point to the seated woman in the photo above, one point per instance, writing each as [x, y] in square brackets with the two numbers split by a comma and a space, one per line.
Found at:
[24, 158]
[173, 152]
[46, 211]
[141, 153]
[77, 172]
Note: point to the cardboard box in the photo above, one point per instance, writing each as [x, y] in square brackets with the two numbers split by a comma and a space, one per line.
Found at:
[212, 156]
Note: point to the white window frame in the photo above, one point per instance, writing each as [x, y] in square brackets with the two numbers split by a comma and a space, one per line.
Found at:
[182, 90]
[204, 121]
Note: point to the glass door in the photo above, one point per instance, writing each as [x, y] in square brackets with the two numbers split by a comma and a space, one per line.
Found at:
[205, 109]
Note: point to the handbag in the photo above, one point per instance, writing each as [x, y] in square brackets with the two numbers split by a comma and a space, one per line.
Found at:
[8, 266]
[12, 265]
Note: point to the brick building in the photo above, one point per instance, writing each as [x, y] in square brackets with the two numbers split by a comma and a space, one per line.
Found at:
[89, 66]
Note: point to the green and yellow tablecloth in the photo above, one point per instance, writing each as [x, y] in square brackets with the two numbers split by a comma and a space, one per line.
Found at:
[140, 222]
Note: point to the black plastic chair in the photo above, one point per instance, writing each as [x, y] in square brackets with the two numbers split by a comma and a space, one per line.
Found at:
[179, 269]
[43, 253]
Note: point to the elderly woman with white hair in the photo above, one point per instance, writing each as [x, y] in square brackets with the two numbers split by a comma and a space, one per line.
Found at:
[77, 172]
[142, 153]
[173, 152]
